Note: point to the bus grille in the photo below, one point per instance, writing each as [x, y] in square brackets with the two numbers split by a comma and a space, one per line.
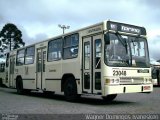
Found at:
[131, 80]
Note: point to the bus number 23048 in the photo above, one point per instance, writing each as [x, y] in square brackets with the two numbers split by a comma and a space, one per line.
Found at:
[119, 73]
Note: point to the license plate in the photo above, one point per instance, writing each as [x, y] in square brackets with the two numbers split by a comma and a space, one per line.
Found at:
[146, 87]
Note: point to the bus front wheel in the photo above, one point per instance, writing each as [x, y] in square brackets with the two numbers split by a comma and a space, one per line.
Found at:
[109, 98]
[70, 89]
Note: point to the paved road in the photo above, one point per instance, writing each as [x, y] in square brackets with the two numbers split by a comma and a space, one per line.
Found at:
[38, 103]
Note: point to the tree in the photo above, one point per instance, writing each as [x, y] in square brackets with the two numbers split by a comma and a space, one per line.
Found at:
[10, 38]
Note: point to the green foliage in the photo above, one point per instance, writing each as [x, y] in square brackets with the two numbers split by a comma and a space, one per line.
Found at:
[10, 38]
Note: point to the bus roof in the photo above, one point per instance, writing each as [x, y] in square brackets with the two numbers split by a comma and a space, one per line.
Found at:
[107, 24]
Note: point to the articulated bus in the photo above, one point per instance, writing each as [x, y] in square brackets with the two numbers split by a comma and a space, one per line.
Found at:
[104, 59]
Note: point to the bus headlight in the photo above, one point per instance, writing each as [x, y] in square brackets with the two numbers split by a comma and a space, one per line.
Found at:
[112, 81]
[147, 80]
[150, 79]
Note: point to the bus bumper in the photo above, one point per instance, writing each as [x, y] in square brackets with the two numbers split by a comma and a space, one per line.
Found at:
[119, 89]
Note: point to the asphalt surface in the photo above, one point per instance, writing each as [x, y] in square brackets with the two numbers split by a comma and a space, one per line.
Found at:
[38, 103]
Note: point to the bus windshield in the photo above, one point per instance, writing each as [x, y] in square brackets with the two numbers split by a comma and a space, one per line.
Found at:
[124, 51]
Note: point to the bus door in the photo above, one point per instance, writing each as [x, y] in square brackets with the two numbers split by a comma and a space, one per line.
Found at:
[91, 55]
[11, 71]
[40, 68]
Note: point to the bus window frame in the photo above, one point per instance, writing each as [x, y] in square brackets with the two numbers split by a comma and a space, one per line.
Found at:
[7, 60]
[2, 67]
[61, 39]
[17, 64]
[29, 55]
[71, 46]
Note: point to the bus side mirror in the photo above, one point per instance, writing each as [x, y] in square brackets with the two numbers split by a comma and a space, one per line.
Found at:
[106, 39]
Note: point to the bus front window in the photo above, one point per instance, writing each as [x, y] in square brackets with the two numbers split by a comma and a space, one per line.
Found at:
[139, 50]
[117, 52]
[126, 51]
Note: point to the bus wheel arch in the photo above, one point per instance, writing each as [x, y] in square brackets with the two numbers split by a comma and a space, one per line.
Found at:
[64, 79]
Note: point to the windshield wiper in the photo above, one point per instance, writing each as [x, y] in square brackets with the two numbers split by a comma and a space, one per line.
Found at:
[124, 43]
[122, 40]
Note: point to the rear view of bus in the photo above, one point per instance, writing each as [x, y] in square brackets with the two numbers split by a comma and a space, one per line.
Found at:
[126, 59]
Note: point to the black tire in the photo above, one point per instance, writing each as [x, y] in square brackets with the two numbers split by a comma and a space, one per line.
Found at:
[70, 89]
[19, 86]
[0, 82]
[109, 98]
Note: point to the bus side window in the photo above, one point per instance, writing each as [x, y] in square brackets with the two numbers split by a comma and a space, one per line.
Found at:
[54, 50]
[2, 67]
[44, 60]
[20, 57]
[70, 48]
[7, 60]
[29, 56]
[39, 62]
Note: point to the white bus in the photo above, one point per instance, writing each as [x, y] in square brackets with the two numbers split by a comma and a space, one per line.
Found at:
[105, 59]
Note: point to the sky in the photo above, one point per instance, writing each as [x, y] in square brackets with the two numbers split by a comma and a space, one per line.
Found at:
[39, 19]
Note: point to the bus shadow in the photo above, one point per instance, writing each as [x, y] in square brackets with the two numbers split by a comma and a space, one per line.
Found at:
[81, 100]
[94, 101]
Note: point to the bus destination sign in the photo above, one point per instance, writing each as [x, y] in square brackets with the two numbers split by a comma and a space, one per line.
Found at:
[126, 28]
[130, 29]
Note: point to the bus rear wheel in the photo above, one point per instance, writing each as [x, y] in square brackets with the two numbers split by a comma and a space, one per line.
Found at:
[0, 81]
[70, 89]
[109, 98]
[19, 86]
